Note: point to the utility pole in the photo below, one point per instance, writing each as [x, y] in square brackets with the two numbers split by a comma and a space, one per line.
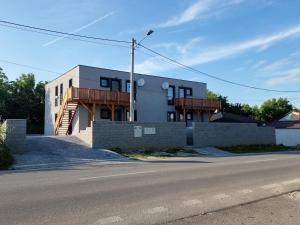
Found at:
[133, 45]
[131, 109]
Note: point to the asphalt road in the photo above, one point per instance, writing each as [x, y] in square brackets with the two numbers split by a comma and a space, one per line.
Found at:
[142, 193]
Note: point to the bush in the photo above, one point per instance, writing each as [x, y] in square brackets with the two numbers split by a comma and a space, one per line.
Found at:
[6, 158]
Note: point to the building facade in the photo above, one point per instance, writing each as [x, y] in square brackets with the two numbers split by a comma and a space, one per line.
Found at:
[85, 94]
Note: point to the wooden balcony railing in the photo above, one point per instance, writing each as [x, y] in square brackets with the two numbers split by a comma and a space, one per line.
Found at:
[198, 104]
[87, 95]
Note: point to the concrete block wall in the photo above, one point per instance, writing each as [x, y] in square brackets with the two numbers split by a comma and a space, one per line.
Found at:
[230, 134]
[15, 134]
[123, 135]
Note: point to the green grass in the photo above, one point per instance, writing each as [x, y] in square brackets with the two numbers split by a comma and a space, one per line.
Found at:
[153, 154]
[259, 148]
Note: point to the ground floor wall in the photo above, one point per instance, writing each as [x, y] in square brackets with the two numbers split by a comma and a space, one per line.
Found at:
[288, 137]
[15, 134]
[127, 135]
[231, 134]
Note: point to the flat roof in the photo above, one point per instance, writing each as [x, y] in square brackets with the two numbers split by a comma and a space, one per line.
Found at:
[122, 72]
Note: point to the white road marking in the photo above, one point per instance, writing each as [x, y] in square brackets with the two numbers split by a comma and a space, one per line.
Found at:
[155, 210]
[115, 175]
[221, 196]
[109, 220]
[260, 160]
[245, 191]
[294, 181]
[270, 186]
[192, 202]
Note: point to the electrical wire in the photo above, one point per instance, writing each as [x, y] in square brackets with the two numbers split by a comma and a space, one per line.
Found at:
[215, 77]
[64, 33]
[71, 38]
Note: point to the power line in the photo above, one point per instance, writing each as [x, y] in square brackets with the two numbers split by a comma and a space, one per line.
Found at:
[63, 33]
[57, 35]
[215, 77]
[28, 66]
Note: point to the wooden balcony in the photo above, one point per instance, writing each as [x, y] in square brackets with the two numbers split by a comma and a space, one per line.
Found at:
[94, 96]
[197, 104]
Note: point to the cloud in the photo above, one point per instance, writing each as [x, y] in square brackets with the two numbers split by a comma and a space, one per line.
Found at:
[81, 28]
[289, 77]
[195, 54]
[199, 8]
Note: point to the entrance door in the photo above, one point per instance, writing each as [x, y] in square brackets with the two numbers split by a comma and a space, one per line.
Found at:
[115, 85]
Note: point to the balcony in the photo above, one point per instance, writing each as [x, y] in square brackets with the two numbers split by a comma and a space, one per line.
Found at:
[197, 104]
[87, 96]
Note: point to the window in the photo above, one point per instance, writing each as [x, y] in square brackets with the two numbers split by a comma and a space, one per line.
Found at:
[135, 115]
[56, 95]
[61, 93]
[171, 117]
[55, 117]
[128, 88]
[105, 114]
[189, 116]
[104, 82]
[70, 83]
[188, 91]
[115, 85]
[181, 92]
[171, 95]
[185, 92]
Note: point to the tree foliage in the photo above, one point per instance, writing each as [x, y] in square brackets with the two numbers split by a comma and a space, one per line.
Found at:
[23, 99]
[270, 110]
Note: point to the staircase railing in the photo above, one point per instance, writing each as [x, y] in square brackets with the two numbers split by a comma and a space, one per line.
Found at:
[60, 113]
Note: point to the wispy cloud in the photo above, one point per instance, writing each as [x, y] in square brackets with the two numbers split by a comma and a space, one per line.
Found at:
[198, 9]
[291, 76]
[195, 54]
[81, 28]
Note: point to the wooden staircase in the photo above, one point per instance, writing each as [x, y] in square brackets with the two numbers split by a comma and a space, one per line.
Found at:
[65, 116]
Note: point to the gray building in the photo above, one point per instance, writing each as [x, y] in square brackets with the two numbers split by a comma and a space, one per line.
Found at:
[85, 94]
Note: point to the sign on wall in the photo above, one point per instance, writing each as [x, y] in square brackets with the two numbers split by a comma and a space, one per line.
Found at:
[137, 131]
[149, 130]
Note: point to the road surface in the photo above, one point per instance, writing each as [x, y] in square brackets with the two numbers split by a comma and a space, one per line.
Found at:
[142, 192]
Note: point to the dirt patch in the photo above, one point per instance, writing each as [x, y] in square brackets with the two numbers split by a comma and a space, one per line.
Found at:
[294, 195]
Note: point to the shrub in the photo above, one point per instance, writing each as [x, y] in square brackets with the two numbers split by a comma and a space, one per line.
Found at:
[6, 159]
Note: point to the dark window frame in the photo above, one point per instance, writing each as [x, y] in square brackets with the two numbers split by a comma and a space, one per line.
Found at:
[134, 90]
[56, 96]
[108, 82]
[70, 83]
[169, 114]
[135, 115]
[185, 91]
[171, 101]
[108, 117]
[115, 79]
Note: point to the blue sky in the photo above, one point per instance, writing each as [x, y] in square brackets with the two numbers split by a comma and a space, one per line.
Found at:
[255, 42]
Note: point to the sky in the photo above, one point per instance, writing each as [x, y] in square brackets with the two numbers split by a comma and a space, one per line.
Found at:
[254, 42]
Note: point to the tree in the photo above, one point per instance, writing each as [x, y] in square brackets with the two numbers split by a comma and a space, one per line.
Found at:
[275, 109]
[25, 101]
[4, 93]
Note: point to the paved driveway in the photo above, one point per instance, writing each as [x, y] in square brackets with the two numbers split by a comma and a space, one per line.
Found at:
[55, 150]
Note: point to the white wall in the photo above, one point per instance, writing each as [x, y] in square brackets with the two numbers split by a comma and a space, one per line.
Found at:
[50, 108]
[288, 137]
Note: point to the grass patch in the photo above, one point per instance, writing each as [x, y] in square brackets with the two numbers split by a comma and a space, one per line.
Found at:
[259, 148]
[6, 158]
[143, 154]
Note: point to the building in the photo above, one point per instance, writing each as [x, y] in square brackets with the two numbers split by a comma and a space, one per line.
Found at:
[287, 129]
[226, 117]
[85, 94]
